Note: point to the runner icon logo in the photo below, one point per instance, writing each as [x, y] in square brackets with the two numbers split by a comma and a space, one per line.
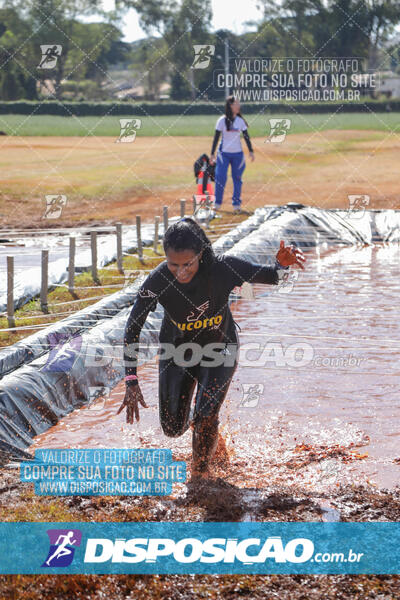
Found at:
[203, 54]
[287, 283]
[54, 205]
[62, 547]
[251, 394]
[95, 393]
[50, 54]
[128, 128]
[278, 130]
[357, 204]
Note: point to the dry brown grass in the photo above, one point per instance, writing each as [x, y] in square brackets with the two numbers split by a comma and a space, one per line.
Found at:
[107, 182]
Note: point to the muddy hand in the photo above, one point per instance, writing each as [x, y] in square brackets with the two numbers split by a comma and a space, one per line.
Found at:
[133, 396]
[289, 255]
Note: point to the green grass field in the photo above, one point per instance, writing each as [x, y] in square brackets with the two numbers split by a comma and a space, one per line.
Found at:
[201, 125]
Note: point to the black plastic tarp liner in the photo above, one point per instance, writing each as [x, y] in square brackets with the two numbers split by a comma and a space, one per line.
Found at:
[37, 395]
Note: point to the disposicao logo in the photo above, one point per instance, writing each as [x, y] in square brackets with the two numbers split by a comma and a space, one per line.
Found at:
[62, 547]
[190, 550]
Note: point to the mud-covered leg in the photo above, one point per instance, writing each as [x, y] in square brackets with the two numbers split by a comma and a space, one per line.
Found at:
[212, 387]
[205, 439]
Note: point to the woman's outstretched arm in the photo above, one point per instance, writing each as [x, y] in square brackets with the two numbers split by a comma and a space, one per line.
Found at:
[239, 270]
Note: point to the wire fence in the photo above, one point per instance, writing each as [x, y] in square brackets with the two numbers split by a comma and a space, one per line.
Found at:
[70, 285]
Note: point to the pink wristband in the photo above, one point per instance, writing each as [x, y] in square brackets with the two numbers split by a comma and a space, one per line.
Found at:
[130, 377]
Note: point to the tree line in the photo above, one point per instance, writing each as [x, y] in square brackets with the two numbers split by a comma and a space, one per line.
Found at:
[365, 29]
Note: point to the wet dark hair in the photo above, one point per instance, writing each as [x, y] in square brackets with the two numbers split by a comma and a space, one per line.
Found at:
[186, 234]
[229, 118]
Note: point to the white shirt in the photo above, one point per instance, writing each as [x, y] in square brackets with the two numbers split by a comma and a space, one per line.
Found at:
[231, 139]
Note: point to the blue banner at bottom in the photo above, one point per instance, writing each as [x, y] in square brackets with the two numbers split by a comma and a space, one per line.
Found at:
[222, 548]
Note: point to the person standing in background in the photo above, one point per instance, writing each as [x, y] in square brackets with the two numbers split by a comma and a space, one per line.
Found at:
[230, 152]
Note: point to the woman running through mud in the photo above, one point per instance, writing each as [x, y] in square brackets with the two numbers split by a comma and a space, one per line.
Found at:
[198, 339]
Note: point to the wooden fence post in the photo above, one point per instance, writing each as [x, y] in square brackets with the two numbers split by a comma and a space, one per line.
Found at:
[139, 238]
[156, 226]
[71, 265]
[44, 288]
[183, 207]
[10, 291]
[93, 245]
[165, 218]
[119, 247]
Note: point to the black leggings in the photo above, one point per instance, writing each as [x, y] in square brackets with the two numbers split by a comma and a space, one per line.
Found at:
[176, 387]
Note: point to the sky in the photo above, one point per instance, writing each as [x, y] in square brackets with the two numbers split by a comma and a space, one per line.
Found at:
[234, 19]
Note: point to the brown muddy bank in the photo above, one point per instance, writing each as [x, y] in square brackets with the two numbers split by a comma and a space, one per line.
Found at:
[188, 587]
[219, 500]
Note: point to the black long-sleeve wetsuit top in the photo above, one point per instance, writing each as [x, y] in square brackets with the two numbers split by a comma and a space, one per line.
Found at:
[196, 311]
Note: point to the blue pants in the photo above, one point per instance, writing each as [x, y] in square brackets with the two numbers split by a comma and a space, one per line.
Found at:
[238, 165]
